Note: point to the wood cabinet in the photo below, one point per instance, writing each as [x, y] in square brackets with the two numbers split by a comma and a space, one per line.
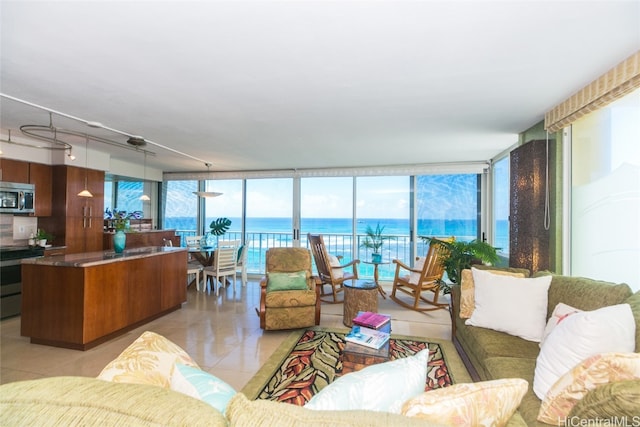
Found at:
[41, 176]
[77, 222]
[14, 170]
[31, 173]
[67, 302]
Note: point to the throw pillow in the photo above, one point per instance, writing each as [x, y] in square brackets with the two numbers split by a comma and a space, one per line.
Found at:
[150, 359]
[335, 267]
[560, 312]
[514, 305]
[418, 265]
[609, 329]
[382, 387]
[467, 290]
[574, 385]
[469, 404]
[296, 280]
[611, 402]
[202, 386]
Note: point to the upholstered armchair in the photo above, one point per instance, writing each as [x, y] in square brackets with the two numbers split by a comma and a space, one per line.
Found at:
[288, 294]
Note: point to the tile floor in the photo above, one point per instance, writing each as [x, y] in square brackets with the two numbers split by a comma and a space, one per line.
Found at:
[222, 334]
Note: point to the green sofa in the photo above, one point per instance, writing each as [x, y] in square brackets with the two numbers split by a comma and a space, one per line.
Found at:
[490, 354]
[83, 401]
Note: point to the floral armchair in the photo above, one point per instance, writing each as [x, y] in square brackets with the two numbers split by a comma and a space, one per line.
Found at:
[288, 294]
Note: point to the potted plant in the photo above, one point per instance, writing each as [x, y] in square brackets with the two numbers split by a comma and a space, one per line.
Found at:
[374, 240]
[462, 255]
[42, 237]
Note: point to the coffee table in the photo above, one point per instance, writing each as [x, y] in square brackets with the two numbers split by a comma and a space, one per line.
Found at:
[356, 356]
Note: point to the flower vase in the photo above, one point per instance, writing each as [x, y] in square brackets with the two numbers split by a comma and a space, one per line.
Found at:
[376, 257]
[119, 241]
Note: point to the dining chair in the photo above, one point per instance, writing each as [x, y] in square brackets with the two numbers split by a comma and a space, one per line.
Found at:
[225, 260]
[425, 276]
[192, 241]
[242, 262]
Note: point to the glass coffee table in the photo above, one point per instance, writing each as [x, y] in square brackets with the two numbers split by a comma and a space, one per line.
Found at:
[356, 356]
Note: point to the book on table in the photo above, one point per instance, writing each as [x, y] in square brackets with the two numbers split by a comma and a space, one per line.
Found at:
[367, 337]
[371, 320]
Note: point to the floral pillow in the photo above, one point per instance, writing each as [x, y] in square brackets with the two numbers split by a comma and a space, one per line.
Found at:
[469, 404]
[596, 370]
[150, 359]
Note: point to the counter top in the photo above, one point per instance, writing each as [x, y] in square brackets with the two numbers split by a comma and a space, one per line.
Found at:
[136, 231]
[89, 259]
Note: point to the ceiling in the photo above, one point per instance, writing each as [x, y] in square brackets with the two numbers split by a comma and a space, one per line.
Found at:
[256, 85]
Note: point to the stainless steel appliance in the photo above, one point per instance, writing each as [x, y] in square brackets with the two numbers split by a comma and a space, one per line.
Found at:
[17, 197]
[11, 277]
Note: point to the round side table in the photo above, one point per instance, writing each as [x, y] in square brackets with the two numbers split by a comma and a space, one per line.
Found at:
[359, 295]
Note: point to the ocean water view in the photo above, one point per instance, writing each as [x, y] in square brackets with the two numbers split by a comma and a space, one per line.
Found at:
[263, 233]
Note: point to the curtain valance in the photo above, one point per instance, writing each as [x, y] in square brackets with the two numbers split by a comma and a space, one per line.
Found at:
[614, 84]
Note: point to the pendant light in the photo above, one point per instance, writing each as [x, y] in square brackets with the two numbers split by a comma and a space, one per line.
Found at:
[144, 197]
[207, 193]
[86, 192]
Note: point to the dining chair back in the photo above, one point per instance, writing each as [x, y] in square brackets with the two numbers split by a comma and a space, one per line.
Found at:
[192, 241]
[225, 261]
[242, 262]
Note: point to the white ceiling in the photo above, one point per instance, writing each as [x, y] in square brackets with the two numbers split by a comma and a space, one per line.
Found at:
[252, 85]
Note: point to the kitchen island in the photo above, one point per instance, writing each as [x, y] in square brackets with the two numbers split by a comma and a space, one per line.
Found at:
[81, 300]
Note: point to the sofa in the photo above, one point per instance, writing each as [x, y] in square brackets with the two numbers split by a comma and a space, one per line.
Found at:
[154, 382]
[491, 354]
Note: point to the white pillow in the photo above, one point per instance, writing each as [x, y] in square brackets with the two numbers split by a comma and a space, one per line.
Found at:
[335, 262]
[560, 312]
[514, 305]
[609, 329]
[382, 387]
[414, 277]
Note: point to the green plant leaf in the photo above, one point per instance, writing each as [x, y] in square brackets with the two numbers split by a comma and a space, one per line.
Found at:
[220, 226]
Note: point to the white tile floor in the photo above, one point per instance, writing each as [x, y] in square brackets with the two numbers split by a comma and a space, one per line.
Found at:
[222, 334]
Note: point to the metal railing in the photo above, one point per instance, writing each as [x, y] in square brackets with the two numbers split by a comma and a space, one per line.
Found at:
[399, 247]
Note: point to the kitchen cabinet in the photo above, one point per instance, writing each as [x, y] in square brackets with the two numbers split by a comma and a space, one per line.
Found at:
[14, 171]
[31, 173]
[77, 222]
[81, 300]
[41, 176]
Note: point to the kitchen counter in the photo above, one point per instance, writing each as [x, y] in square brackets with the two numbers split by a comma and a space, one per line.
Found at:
[142, 238]
[81, 300]
[96, 258]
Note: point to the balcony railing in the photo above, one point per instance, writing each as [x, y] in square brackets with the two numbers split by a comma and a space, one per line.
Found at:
[337, 244]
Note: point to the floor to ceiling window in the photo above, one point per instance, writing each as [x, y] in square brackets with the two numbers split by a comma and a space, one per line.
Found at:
[384, 201]
[501, 206]
[340, 208]
[326, 207]
[180, 207]
[605, 193]
[269, 213]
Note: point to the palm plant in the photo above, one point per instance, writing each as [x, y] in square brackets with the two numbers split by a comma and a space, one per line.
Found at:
[374, 240]
[462, 255]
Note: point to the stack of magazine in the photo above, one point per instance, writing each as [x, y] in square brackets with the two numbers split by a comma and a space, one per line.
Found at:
[368, 337]
[370, 329]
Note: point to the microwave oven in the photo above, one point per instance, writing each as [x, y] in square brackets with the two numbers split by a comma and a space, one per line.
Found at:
[17, 198]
